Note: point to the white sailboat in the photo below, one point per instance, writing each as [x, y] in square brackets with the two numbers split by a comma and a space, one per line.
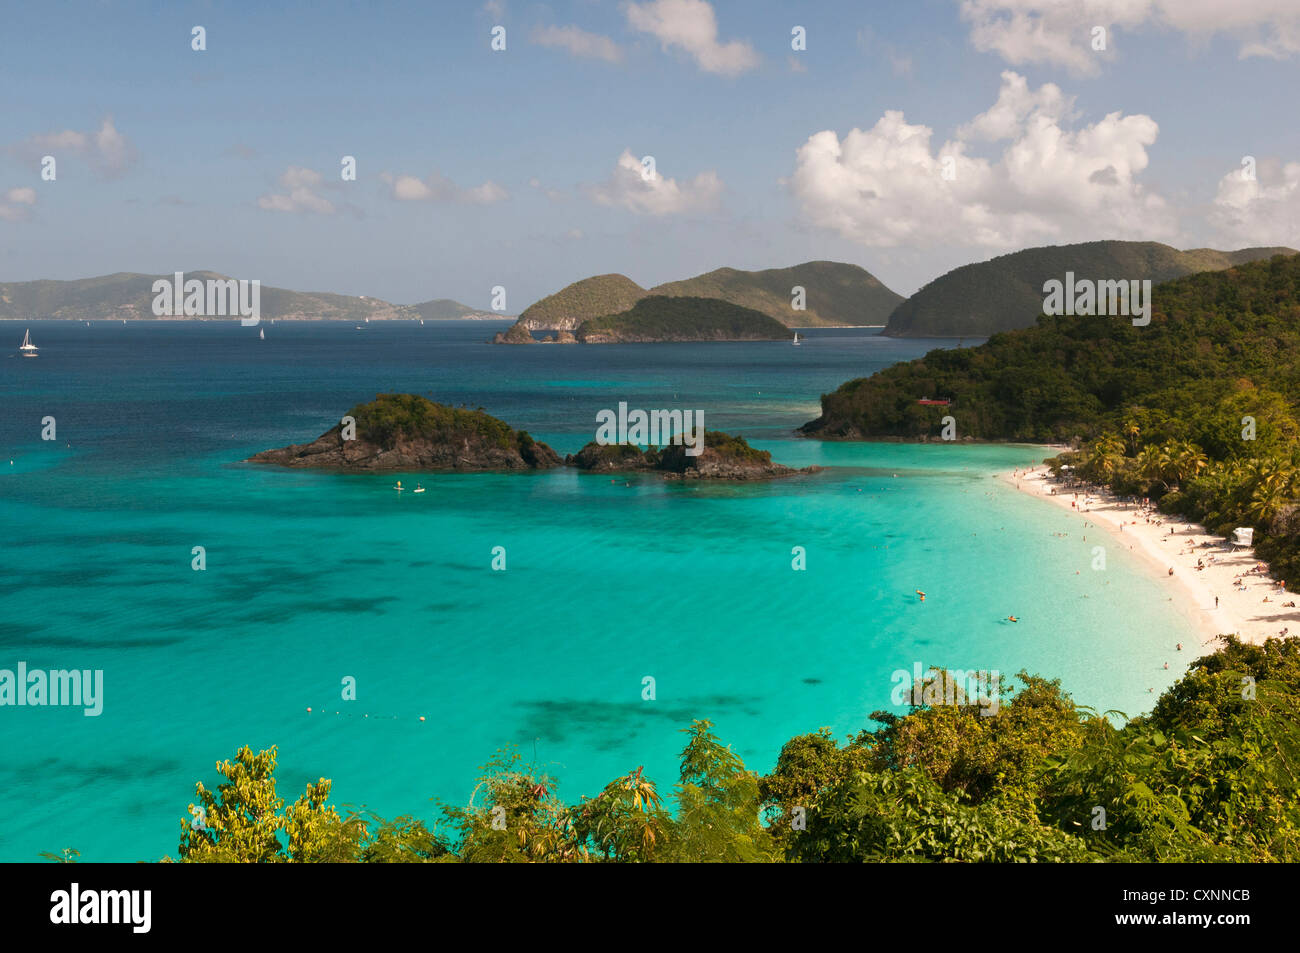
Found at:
[261, 334]
[28, 349]
[795, 342]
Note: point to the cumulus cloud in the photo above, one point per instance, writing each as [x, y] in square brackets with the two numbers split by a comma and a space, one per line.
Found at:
[17, 204]
[888, 186]
[301, 187]
[107, 151]
[690, 25]
[1259, 210]
[439, 188]
[1060, 33]
[578, 42]
[630, 188]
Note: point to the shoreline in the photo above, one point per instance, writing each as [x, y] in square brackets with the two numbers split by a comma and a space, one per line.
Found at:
[1240, 611]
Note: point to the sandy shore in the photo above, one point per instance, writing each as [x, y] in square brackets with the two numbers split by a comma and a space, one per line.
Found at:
[1211, 598]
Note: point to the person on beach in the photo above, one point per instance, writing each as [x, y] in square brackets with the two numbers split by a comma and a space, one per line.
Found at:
[1216, 602]
[1180, 646]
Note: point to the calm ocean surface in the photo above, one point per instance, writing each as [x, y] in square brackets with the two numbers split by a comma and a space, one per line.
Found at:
[312, 577]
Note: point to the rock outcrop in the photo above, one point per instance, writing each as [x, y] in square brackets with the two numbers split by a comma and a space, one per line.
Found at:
[723, 457]
[408, 433]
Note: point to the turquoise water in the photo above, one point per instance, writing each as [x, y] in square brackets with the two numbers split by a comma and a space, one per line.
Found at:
[312, 577]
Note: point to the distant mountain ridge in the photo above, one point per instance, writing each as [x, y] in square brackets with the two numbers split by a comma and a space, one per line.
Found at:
[130, 295]
[1006, 293]
[834, 294]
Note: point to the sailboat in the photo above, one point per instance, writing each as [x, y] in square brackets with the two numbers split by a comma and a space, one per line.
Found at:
[261, 334]
[795, 342]
[28, 349]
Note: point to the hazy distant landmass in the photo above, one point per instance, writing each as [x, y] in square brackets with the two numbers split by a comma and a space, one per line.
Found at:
[130, 296]
[834, 294]
[1006, 293]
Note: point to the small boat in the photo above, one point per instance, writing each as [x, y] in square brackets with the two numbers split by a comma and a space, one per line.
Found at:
[795, 342]
[360, 328]
[418, 488]
[27, 348]
[261, 334]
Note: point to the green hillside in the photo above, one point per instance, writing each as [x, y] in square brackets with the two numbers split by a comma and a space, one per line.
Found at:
[1199, 410]
[575, 303]
[1006, 292]
[835, 293]
[1211, 335]
[662, 318]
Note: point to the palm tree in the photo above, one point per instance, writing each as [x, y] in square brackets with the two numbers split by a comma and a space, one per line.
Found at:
[1153, 465]
[1131, 434]
[1186, 460]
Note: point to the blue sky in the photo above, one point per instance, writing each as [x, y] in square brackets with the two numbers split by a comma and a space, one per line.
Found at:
[478, 168]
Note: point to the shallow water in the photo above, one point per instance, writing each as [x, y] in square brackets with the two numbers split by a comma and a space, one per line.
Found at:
[312, 577]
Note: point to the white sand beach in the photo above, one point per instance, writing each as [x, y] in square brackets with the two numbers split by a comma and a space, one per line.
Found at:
[1228, 594]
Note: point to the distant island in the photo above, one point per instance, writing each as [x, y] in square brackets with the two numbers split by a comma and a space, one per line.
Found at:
[408, 432]
[659, 319]
[834, 295]
[1006, 293]
[129, 296]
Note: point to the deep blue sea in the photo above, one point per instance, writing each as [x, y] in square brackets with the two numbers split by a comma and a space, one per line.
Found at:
[315, 577]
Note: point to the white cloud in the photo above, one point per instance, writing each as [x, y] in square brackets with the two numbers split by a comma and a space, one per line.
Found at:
[438, 188]
[692, 26]
[109, 152]
[1057, 32]
[300, 193]
[1264, 210]
[885, 186]
[628, 188]
[578, 42]
[17, 205]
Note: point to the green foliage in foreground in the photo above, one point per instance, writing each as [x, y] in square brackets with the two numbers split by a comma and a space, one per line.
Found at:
[1210, 775]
